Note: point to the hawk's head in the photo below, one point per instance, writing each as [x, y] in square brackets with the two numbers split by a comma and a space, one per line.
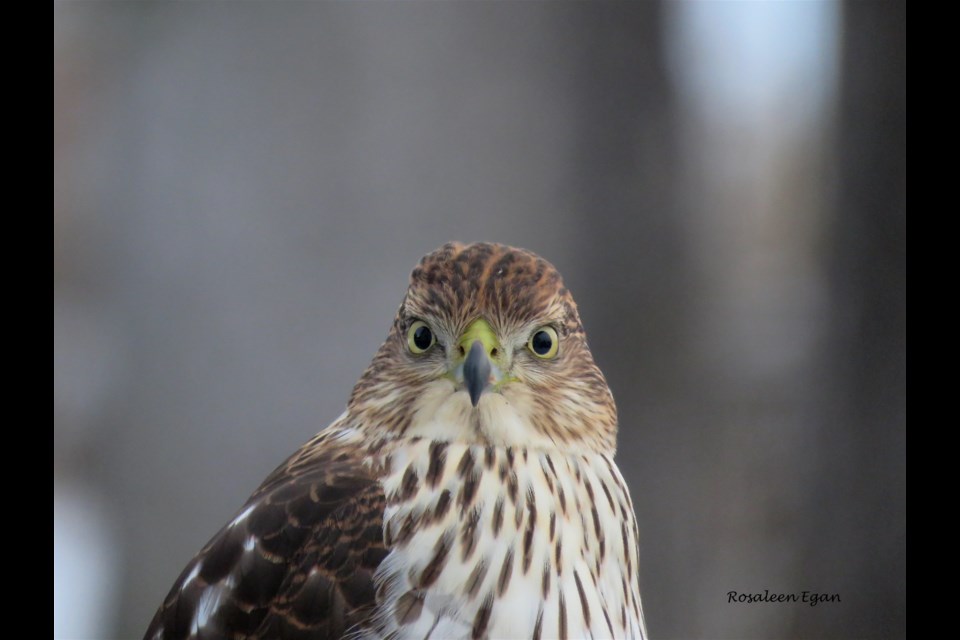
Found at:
[488, 347]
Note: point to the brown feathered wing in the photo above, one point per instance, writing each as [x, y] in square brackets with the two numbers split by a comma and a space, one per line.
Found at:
[297, 561]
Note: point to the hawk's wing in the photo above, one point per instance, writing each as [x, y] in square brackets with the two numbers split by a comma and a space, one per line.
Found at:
[296, 562]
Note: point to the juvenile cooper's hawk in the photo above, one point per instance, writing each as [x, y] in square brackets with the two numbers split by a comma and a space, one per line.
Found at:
[469, 489]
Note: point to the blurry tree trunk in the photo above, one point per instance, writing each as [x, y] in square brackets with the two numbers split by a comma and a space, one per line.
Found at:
[629, 233]
[860, 525]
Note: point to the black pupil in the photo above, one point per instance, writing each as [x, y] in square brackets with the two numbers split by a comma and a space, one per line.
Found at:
[422, 337]
[541, 343]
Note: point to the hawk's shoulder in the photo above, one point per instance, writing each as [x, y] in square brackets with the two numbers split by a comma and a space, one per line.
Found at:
[297, 560]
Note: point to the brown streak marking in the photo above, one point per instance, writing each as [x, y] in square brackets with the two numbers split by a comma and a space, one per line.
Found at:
[476, 578]
[553, 524]
[468, 535]
[467, 493]
[547, 477]
[438, 458]
[545, 581]
[563, 618]
[506, 572]
[466, 463]
[512, 487]
[409, 607]
[531, 526]
[638, 589]
[596, 522]
[388, 464]
[614, 475]
[584, 605]
[489, 456]
[443, 505]
[626, 550]
[589, 487]
[606, 616]
[497, 516]
[435, 567]
[527, 546]
[552, 468]
[483, 618]
[410, 523]
[537, 628]
[606, 490]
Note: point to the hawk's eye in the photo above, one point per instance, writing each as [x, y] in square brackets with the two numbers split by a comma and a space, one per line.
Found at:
[544, 342]
[419, 337]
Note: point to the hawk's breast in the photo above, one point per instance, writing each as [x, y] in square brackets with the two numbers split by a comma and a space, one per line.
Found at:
[493, 541]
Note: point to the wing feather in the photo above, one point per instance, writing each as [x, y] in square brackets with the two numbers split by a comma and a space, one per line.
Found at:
[296, 562]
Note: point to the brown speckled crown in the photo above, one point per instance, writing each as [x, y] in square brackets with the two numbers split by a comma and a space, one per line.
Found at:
[505, 285]
[511, 288]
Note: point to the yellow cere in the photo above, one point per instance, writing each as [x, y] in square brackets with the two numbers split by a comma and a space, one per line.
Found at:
[480, 330]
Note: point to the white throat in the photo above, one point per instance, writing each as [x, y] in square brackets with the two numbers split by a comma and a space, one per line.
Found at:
[500, 418]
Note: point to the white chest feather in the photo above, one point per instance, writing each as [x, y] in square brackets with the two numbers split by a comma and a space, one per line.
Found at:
[501, 542]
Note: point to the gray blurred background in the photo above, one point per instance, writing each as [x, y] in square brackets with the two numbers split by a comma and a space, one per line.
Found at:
[240, 191]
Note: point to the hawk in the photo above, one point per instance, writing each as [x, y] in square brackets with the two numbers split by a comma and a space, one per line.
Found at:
[469, 489]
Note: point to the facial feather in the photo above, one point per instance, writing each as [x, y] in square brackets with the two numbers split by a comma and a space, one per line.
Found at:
[563, 402]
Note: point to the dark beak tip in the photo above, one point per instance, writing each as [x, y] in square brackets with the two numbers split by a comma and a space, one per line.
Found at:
[476, 372]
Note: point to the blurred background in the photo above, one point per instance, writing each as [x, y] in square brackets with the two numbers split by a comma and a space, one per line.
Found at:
[241, 189]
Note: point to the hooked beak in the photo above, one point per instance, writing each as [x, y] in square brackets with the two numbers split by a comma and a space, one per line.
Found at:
[480, 368]
[476, 371]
